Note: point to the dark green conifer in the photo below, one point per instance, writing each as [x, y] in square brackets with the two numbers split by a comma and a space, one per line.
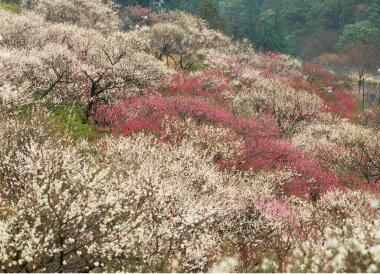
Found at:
[278, 42]
[210, 13]
[238, 22]
[252, 32]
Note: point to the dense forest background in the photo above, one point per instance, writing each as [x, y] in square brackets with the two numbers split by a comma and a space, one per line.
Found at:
[297, 27]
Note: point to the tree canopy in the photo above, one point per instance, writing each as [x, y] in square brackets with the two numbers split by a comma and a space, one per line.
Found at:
[211, 14]
[300, 20]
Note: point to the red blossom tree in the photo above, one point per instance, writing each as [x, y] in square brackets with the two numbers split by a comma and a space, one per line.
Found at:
[137, 16]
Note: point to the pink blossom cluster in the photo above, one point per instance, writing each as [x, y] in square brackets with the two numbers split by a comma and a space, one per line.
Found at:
[137, 16]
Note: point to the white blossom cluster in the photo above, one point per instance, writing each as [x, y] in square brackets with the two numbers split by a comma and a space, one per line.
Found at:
[7, 91]
[293, 110]
[77, 205]
[342, 145]
[152, 202]
[94, 14]
[62, 60]
[346, 249]
[346, 238]
[185, 39]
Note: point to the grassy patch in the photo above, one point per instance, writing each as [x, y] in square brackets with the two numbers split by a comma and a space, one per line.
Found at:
[65, 118]
[69, 118]
[198, 65]
[10, 7]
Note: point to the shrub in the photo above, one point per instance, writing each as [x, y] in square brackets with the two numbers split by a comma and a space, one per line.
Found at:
[198, 65]
[69, 118]
[10, 7]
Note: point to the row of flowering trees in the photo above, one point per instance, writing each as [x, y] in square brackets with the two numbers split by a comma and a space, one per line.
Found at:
[243, 164]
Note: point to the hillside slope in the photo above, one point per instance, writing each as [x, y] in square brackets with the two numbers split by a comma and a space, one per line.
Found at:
[173, 148]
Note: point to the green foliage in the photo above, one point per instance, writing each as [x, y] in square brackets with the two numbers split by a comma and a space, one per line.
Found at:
[252, 33]
[329, 19]
[69, 118]
[373, 83]
[292, 46]
[198, 65]
[273, 37]
[302, 20]
[357, 32]
[294, 13]
[374, 15]
[10, 7]
[266, 17]
[237, 24]
[279, 37]
[66, 119]
[210, 13]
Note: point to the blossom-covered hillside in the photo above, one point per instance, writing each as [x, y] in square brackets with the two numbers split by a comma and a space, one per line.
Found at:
[166, 147]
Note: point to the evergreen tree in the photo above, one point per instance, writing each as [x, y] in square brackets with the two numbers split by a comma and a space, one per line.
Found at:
[347, 16]
[279, 42]
[293, 47]
[256, 9]
[251, 31]
[374, 16]
[273, 37]
[249, 6]
[253, 12]
[294, 13]
[266, 37]
[358, 32]
[238, 22]
[210, 13]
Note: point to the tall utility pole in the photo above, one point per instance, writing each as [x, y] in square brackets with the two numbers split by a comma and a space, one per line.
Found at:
[225, 5]
[363, 91]
[154, 5]
[151, 8]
